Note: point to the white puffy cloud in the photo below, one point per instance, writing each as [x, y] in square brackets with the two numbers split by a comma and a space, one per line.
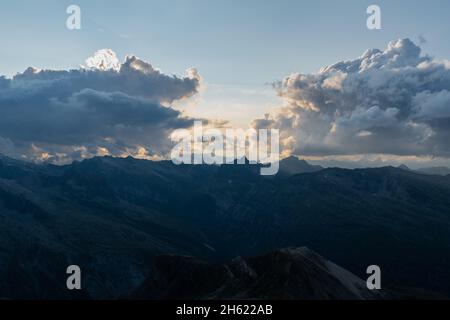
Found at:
[104, 59]
[102, 108]
[395, 101]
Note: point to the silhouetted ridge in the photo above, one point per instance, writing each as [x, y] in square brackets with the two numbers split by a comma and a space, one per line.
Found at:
[293, 165]
[282, 274]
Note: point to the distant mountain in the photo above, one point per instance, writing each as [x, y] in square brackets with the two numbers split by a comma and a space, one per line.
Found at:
[293, 165]
[282, 274]
[439, 171]
[113, 217]
[404, 167]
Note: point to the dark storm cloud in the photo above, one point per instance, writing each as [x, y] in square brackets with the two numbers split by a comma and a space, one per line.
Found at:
[53, 115]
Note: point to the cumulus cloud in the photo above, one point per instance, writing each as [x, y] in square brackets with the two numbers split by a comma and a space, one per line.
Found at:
[395, 101]
[102, 108]
[104, 59]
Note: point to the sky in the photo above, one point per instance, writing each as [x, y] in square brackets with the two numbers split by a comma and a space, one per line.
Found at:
[239, 48]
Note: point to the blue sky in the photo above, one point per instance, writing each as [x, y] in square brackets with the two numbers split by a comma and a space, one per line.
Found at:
[230, 42]
[234, 44]
[239, 47]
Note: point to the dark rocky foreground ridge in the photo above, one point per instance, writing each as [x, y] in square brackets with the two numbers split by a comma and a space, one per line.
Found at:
[113, 217]
[294, 273]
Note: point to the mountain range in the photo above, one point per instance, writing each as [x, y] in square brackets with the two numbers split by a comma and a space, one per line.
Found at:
[434, 171]
[116, 218]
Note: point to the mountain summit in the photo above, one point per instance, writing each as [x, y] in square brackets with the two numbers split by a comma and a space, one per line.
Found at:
[293, 165]
[294, 273]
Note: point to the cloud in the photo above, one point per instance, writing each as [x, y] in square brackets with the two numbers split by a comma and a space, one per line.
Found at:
[102, 108]
[394, 101]
[104, 59]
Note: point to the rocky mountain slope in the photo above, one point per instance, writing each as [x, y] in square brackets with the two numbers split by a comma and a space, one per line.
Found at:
[114, 216]
[295, 273]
